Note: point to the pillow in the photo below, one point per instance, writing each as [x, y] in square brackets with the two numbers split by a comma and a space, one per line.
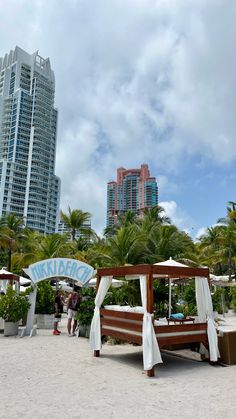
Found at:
[178, 316]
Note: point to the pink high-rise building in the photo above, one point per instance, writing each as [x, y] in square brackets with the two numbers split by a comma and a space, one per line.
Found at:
[133, 190]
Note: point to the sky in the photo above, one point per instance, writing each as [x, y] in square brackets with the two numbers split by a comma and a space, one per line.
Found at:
[138, 81]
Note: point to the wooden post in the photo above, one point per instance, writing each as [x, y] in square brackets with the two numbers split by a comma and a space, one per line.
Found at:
[149, 282]
[151, 373]
[97, 352]
[98, 283]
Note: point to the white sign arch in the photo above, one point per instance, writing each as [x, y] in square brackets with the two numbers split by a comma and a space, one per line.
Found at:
[60, 267]
[54, 268]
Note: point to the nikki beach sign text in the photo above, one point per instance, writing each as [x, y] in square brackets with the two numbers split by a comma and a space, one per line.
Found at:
[60, 267]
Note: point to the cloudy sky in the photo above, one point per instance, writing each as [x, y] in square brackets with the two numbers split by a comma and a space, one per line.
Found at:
[138, 81]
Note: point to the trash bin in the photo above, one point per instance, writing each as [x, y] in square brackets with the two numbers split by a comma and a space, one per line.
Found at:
[227, 346]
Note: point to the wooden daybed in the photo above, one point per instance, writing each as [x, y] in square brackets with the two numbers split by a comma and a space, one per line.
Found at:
[127, 325]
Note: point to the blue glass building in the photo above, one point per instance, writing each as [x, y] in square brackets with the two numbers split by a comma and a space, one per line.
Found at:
[28, 129]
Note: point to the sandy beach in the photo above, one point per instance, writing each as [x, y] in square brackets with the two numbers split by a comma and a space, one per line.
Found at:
[58, 377]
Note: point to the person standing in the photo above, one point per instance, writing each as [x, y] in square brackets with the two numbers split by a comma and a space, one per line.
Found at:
[58, 306]
[73, 304]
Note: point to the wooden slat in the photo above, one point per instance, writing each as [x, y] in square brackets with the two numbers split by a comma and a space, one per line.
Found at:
[178, 328]
[172, 340]
[137, 327]
[121, 314]
[10, 277]
[122, 335]
[180, 272]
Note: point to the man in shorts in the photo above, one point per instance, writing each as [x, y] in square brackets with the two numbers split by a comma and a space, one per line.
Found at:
[73, 304]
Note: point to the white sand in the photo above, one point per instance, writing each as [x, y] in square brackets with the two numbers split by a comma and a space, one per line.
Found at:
[57, 377]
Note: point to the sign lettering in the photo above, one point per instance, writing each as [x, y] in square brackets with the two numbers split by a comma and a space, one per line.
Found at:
[60, 267]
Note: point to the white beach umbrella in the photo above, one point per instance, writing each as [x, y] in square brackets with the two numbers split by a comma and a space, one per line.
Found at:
[63, 285]
[116, 283]
[170, 262]
[24, 281]
[224, 278]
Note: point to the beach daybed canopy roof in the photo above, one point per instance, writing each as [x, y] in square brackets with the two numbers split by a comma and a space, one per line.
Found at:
[8, 275]
[173, 269]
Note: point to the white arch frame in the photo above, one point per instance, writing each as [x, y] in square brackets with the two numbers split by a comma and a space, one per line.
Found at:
[54, 268]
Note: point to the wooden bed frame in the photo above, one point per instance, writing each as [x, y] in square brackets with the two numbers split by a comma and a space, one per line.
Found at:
[128, 325]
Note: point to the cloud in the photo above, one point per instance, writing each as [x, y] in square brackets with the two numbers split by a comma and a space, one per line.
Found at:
[178, 216]
[201, 232]
[136, 82]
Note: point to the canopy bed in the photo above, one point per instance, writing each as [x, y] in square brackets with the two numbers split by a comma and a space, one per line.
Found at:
[137, 324]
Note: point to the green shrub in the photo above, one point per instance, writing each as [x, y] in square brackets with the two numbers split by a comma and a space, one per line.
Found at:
[233, 298]
[44, 298]
[128, 294]
[13, 307]
[86, 309]
[217, 300]
[189, 309]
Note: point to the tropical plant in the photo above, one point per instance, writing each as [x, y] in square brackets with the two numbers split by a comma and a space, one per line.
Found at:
[190, 306]
[165, 241]
[228, 236]
[11, 230]
[233, 298]
[13, 307]
[77, 221]
[161, 297]
[209, 247]
[123, 220]
[128, 294]
[44, 298]
[126, 247]
[220, 300]
[86, 309]
[156, 215]
[53, 246]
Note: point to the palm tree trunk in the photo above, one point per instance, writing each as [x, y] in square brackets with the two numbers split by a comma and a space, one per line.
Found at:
[230, 263]
[9, 260]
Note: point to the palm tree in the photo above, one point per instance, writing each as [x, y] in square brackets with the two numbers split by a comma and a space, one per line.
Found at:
[156, 214]
[28, 250]
[167, 241]
[209, 248]
[228, 236]
[53, 246]
[127, 246]
[77, 221]
[11, 230]
[231, 211]
[130, 217]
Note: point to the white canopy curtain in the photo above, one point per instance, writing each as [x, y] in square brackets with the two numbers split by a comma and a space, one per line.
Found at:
[3, 285]
[95, 330]
[151, 351]
[205, 313]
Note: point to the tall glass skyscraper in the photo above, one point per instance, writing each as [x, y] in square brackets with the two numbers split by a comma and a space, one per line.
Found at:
[133, 190]
[28, 128]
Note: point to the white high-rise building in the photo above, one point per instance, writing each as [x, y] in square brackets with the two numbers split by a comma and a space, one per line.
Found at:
[28, 128]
